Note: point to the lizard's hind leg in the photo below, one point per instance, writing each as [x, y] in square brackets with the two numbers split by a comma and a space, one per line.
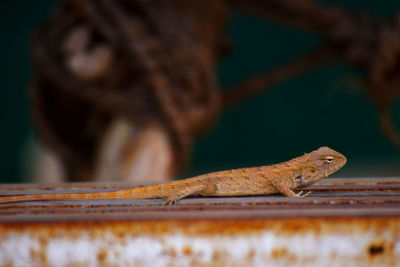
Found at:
[183, 192]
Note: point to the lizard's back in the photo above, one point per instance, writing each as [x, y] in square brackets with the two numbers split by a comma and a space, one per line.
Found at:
[244, 181]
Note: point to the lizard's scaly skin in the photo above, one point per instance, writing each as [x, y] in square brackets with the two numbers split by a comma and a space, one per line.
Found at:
[278, 178]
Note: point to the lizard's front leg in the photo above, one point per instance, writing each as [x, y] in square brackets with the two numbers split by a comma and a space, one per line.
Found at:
[283, 188]
[184, 192]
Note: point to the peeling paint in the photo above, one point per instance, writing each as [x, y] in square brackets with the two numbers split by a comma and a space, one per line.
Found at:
[265, 248]
[16, 249]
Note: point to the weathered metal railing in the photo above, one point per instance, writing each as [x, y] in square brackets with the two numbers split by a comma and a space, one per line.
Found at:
[343, 222]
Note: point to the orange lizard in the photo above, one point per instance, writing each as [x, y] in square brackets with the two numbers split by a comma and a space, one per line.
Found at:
[278, 178]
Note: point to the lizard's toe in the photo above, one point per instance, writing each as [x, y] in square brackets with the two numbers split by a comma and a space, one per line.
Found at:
[301, 192]
[169, 202]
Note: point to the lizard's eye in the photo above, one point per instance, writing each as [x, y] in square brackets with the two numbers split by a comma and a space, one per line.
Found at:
[328, 159]
[312, 169]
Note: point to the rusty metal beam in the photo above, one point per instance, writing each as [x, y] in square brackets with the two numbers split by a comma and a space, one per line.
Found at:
[343, 222]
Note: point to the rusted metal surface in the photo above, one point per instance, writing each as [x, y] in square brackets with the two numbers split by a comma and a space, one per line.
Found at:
[344, 222]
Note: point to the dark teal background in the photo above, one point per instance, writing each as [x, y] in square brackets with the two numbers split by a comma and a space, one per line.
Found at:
[324, 107]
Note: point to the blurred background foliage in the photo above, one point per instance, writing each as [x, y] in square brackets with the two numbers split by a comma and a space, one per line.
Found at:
[326, 106]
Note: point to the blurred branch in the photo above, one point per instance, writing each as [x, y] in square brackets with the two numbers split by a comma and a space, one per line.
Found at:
[301, 14]
[369, 44]
[263, 82]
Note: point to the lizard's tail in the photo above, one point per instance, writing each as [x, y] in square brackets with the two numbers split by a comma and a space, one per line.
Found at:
[150, 191]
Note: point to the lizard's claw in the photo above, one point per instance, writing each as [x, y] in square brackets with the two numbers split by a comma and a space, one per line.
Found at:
[173, 199]
[301, 192]
[169, 202]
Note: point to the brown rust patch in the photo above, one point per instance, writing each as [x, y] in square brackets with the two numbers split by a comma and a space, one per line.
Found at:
[380, 248]
[40, 255]
[283, 253]
[250, 254]
[279, 253]
[187, 250]
[102, 255]
[382, 253]
[205, 227]
[376, 249]
[172, 252]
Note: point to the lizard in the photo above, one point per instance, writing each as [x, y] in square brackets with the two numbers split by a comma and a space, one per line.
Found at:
[281, 178]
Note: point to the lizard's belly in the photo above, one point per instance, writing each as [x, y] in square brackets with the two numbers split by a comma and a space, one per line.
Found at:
[241, 188]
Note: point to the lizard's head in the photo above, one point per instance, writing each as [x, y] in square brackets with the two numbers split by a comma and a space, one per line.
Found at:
[319, 164]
